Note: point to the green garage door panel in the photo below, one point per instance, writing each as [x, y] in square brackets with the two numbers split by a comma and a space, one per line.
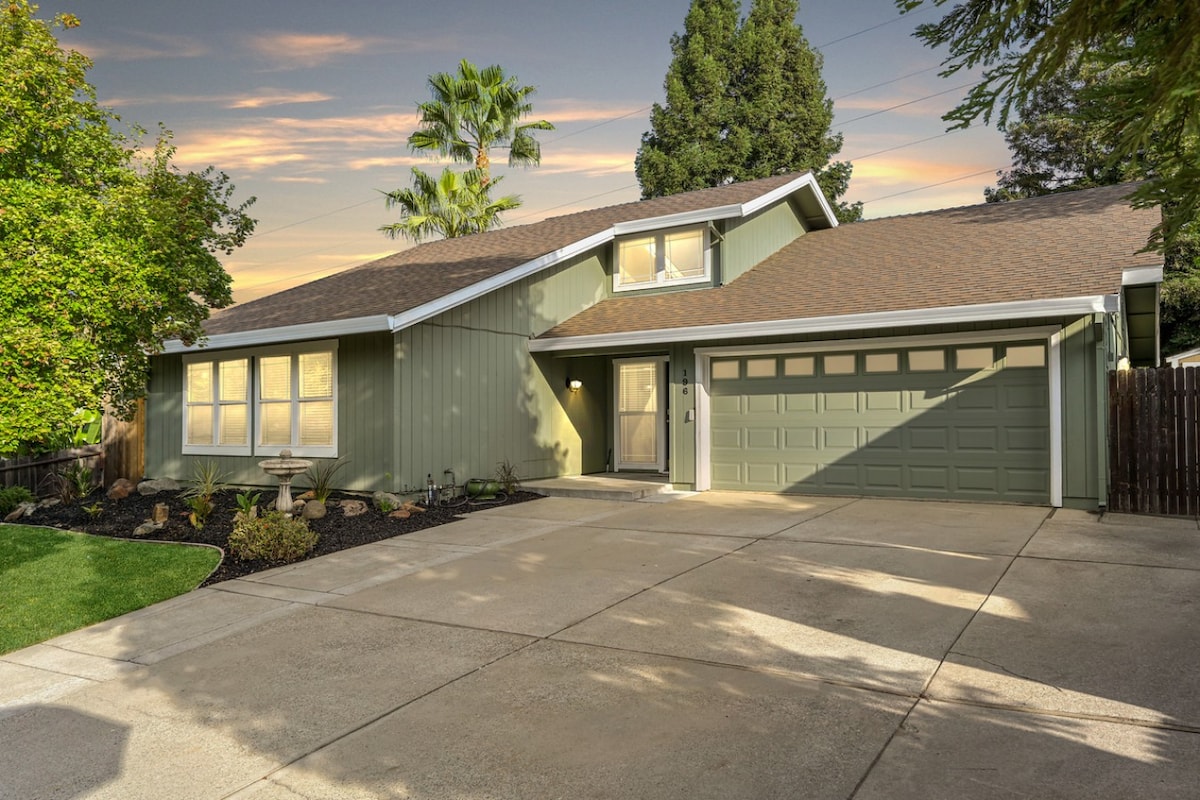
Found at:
[954, 434]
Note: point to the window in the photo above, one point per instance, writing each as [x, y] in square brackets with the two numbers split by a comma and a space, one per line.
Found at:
[293, 406]
[926, 361]
[798, 366]
[973, 358]
[217, 407]
[725, 370]
[761, 368]
[840, 365]
[883, 362]
[662, 259]
[1026, 356]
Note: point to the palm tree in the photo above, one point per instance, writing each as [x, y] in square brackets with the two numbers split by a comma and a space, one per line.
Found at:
[451, 205]
[475, 110]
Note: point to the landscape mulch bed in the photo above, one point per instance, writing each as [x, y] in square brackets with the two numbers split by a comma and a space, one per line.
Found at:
[336, 531]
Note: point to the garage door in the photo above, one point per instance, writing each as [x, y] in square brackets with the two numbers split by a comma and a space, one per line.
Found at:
[967, 422]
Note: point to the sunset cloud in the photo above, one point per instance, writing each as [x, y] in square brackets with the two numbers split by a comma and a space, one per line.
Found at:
[141, 46]
[260, 98]
[276, 97]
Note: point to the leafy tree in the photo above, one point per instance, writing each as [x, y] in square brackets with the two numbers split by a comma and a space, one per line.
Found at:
[475, 110]
[1153, 101]
[743, 101]
[454, 204]
[1061, 140]
[105, 251]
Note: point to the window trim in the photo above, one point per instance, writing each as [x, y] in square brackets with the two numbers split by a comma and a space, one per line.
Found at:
[660, 279]
[216, 448]
[254, 447]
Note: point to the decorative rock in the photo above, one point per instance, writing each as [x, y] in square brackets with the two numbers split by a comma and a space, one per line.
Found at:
[147, 528]
[307, 495]
[379, 498]
[22, 510]
[298, 506]
[158, 485]
[354, 508]
[412, 507]
[162, 512]
[400, 513]
[49, 502]
[121, 488]
[313, 509]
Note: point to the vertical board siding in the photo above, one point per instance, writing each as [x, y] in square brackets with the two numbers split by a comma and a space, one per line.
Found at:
[749, 241]
[469, 394]
[1153, 441]
[365, 420]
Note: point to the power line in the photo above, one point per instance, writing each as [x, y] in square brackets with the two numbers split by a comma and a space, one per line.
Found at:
[873, 27]
[908, 103]
[910, 144]
[886, 83]
[310, 219]
[932, 185]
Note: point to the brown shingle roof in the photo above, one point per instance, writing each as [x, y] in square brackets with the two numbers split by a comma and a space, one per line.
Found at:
[1066, 245]
[425, 273]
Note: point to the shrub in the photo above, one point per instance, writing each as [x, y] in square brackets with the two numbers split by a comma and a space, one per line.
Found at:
[320, 477]
[206, 482]
[272, 537]
[11, 497]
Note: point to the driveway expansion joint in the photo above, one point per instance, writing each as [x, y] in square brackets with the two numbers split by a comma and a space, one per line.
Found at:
[1005, 669]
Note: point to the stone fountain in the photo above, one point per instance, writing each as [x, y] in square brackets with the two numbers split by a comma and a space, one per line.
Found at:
[286, 468]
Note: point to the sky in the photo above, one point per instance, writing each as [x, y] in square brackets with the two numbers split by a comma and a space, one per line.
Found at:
[307, 106]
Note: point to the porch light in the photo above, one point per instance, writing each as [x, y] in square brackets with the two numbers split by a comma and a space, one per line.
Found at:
[574, 384]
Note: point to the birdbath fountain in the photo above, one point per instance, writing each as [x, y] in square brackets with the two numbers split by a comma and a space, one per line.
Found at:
[286, 468]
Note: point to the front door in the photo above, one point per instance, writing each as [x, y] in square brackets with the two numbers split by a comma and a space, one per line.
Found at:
[641, 422]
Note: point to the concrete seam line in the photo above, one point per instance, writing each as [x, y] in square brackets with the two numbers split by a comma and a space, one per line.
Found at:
[351, 731]
[1039, 712]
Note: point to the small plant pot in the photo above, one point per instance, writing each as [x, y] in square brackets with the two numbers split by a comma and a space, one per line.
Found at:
[480, 489]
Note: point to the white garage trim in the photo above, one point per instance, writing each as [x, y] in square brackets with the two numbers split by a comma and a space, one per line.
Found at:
[1052, 335]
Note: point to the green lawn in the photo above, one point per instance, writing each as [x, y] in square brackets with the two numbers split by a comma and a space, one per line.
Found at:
[54, 581]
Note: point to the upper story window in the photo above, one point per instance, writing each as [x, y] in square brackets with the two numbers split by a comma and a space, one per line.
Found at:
[662, 259]
[262, 401]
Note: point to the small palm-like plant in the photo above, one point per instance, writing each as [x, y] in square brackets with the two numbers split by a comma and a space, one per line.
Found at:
[206, 481]
[320, 478]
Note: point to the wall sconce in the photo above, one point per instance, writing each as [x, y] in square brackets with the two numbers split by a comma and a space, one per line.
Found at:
[574, 384]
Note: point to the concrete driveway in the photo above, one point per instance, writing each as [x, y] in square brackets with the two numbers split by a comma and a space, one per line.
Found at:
[718, 646]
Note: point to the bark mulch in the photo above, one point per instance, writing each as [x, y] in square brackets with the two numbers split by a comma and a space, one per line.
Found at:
[336, 531]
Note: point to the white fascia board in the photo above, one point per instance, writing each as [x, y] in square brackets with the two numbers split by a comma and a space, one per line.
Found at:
[775, 195]
[1140, 276]
[466, 294]
[697, 217]
[884, 319]
[287, 333]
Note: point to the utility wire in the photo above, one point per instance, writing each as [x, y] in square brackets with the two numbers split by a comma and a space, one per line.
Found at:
[907, 103]
[892, 21]
[932, 185]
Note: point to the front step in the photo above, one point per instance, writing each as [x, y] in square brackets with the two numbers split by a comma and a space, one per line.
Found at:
[598, 487]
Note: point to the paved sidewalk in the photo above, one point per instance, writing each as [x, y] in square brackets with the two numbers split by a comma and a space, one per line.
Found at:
[716, 646]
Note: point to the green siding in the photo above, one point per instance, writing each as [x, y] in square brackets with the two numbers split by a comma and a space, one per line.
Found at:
[469, 394]
[365, 425]
[1083, 385]
[750, 240]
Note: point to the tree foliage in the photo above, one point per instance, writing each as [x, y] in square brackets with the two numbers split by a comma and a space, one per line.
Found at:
[475, 110]
[1061, 139]
[106, 250]
[452, 204]
[744, 100]
[1153, 101]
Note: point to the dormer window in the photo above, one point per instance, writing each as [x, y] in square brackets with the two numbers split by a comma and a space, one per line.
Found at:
[668, 258]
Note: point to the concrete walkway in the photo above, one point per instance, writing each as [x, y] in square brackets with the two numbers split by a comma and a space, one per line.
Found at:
[717, 646]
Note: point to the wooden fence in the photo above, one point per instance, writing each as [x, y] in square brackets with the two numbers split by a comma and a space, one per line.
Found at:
[1154, 441]
[120, 454]
[33, 472]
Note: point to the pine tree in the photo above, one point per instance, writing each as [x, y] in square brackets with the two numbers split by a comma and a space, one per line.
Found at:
[688, 146]
[744, 101]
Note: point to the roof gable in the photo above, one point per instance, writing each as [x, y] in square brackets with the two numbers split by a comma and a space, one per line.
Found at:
[1006, 260]
[406, 287]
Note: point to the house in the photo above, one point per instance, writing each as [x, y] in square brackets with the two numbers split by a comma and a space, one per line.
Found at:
[1188, 358]
[734, 338]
